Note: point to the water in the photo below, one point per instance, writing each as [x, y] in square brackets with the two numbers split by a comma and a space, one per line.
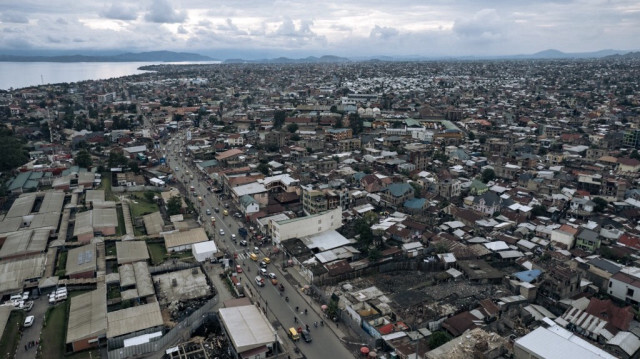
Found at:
[24, 74]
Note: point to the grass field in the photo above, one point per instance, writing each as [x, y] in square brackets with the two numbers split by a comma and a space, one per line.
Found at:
[61, 266]
[106, 186]
[140, 206]
[121, 230]
[158, 253]
[11, 336]
[53, 333]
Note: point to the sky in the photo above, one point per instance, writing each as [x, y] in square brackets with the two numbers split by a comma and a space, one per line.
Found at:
[352, 28]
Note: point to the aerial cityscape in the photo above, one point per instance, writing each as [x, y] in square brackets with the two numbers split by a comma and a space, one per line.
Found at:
[374, 180]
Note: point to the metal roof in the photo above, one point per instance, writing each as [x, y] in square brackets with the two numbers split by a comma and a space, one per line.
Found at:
[81, 259]
[131, 251]
[178, 239]
[14, 273]
[133, 319]
[23, 242]
[248, 328]
[153, 223]
[87, 315]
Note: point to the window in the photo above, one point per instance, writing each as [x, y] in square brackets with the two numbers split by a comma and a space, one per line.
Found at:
[610, 283]
[629, 292]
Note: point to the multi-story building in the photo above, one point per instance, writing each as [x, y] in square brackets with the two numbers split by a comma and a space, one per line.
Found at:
[339, 134]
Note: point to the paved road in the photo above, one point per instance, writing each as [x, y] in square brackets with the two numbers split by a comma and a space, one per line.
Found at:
[32, 333]
[325, 344]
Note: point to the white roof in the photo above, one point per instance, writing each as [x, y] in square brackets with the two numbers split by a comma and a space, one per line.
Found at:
[249, 189]
[248, 328]
[325, 240]
[558, 343]
[496, 246]
[204, 247]
[447, 257]
[284, 178]
[626, 341]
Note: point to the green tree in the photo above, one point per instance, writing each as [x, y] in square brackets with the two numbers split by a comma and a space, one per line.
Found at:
[278, 119]
[635, 155]
[148, 195]
[364, 230]
[292, 127]
[83, 159]
[472, 136]
[117, 159]
[417, 189]
[174, 205]
[488, 175]
[539, 210]
[134, 167]
[264, 168]
[374, 255]
[601, 204]
[14, 154]
[438, 338]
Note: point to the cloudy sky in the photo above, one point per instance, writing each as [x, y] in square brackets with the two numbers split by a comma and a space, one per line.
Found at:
[229, 28]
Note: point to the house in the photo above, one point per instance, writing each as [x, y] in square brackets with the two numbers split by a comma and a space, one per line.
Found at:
[487, 203]
[249, 205]
[625, 286]
[628, 165]
[182, 241]
[625, 345]
[564, 236]
[87, 322]
[588, 240]
[82, 262]
[235, 140]
[397, 193]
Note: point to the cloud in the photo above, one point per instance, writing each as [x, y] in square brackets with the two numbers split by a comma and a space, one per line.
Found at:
[162, 12]
[231, 28]
[13, 17]
[120, 12]
[383, 33]
[485, 25]
[182, 30]
[288, 28]
[61, 21]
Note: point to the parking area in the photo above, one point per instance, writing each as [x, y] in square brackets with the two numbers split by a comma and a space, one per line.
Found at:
[32, 333]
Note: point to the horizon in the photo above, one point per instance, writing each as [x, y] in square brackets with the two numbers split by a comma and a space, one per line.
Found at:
[296, 29]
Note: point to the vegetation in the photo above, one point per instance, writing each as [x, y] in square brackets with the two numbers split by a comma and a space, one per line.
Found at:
[438, 338]
[11, 336]
[488, 175]
[52, 336]
[278, 119]
[83, 159]
[174, 205]
[142, 206]
[292, 127]
[158, 252]
[601, 204]
[14, 153]
[61, 265]
[121, 230]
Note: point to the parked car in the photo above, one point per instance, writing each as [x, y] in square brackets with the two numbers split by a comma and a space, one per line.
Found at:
[243, 243]
[217, 209]
[25, 295]
[233, 237]
[306, 336]
[28, 321]
[28, 306]
[238, 269]
[263, 265]
[259, 281]
[266, 260]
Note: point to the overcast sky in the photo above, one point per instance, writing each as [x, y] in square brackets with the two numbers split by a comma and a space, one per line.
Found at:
[302, 28]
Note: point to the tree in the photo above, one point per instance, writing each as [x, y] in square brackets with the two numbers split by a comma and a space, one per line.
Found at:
[488, 175]
[264, 168]
[133, 166]
[635, 155]
[417, 189]
[438, 338]
[364, 230]
[292, 127]
[472, 136]
[83, 159]
[117, 159]
[148, 195]
[174, 205]
[278, 119]
[539, 210]
[374, 255]
[601, 204]
[14, 153]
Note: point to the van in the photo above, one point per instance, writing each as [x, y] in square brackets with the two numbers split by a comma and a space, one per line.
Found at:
[18, 297]
[254, 257]
[293, 334]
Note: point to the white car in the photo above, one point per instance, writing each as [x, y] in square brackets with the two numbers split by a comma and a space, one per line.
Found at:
[25, 295]
[29, 321]
[221, 232]
[272, 275]
[263, 272]
[233, 237]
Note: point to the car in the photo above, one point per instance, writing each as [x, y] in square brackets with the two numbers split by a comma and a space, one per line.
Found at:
[25, 295]
[243, 243]
[226, 205]
[259, 281]
[208, 212]
[238, 269]
[274, 281]
[233, 237]
[306, 336]
[263, 265]
[263, 272]
[217, 209]
[28, 306]
[237, 215]
[221, 232]
[28, 321]
[266, 260]
[177, 169]
[272, 275]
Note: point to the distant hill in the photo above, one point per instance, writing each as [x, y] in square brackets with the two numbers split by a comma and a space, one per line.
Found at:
[163, 56]
[557, 54]
[286, 60]
[629, 55]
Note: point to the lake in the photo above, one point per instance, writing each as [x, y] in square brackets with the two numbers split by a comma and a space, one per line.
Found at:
[24, 74]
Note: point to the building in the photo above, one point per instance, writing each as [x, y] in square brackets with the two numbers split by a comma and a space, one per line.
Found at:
[249, 331]
[339, 134]
[564, 236]
[476, 343]
[556, 342]
[397, 193]
[141, 319]
[625, 286]
[98, 221]
[131, 251]
[87, 319]
[82, 262]
[283, 230]
[182, 241]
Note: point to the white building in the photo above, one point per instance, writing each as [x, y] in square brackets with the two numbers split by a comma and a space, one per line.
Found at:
[251, 334]
[306, 226]
[204, 251]
[625, 285]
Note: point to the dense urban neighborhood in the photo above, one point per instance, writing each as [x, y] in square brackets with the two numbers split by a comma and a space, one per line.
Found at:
[413, 210]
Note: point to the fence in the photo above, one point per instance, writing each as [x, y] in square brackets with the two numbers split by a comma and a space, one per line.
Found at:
[141, 188]
[170, 267]
[404, 265]
[180, 332]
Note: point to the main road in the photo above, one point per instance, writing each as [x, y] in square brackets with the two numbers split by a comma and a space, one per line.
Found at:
[291, 313]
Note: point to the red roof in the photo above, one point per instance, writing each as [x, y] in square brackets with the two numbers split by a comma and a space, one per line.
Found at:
[619, 317]
[386, 329]
[629, 162]
[629, 241]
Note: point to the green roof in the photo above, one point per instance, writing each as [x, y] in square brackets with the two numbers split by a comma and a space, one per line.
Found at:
[19, 181]
[399, 189]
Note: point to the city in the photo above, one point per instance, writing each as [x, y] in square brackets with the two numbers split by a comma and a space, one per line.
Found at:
[427, 209]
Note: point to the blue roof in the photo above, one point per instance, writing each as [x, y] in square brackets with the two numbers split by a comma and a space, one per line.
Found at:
[209, 163]
[529, 275]
[415, 203]
[19, 181]
[359, 175]
[398, 189]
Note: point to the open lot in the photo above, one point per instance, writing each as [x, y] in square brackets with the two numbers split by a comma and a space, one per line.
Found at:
[158, 252]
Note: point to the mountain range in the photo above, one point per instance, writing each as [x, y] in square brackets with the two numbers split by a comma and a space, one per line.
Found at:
[163, 56]
[170, 56]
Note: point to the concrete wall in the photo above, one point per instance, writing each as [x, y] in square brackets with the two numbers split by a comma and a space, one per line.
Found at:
[84, 344]
[306, 226]
[618, 289]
